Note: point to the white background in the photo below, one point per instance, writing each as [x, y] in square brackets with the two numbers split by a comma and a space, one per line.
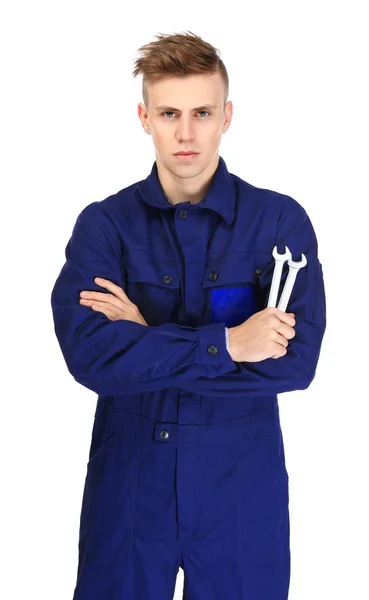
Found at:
[70, 135]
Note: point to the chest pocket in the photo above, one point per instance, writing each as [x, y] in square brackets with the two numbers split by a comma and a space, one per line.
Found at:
[153, 285]
[232, 288]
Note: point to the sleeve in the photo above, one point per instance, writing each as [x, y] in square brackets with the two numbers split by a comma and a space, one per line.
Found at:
[297, 368]
[122, 357]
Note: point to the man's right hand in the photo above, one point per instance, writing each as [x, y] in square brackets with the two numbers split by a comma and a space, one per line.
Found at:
[264, 335]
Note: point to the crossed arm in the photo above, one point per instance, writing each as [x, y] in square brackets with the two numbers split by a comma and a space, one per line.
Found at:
[119, 353]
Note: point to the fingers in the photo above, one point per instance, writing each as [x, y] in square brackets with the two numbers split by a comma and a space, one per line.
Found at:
[282, 348]
[101, 297]
[285, 330]
[282, 353]
[116, 298]
[113, 288]
[110, 309]
[113, 308]
[280, 339]
[104, 308]
[112, 315]
[284, 317]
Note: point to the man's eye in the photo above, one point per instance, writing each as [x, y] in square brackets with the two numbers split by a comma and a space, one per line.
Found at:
[170, 112]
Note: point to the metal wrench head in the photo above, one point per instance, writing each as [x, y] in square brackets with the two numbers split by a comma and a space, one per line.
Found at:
[279, 260]
[294, 264]
[286, 256]
[294, 267]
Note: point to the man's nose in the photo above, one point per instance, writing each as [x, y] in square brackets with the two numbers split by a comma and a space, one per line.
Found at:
[185, 130]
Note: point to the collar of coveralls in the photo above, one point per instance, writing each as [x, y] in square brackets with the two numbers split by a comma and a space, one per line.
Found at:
[220, 196]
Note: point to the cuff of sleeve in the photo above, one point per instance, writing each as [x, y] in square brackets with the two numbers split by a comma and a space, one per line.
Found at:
[227, 338]
[213, 350]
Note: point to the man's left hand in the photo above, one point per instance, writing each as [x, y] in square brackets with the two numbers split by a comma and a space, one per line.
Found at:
[116, 306]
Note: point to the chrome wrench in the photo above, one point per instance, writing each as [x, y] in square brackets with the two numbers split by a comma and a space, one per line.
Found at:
[294, 267]
[280, 259]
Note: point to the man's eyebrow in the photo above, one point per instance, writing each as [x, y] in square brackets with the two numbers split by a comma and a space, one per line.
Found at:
[172, 109]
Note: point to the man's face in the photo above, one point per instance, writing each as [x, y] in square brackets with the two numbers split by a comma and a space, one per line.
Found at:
[176, 124]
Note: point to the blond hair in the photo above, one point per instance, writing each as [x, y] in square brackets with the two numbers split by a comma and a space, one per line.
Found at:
[180, 55]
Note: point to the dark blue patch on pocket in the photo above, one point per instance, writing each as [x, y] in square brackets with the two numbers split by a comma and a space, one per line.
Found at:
[233, 306]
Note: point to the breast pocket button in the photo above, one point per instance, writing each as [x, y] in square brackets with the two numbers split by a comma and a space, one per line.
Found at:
[167, 279]
[213, 350]
[213, 276]
[258, 273]
[164, 434]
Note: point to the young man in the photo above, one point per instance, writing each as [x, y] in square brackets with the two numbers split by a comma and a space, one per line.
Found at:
[186, 465]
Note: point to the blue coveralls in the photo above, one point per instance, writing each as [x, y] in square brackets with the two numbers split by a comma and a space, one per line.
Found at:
[186, 465]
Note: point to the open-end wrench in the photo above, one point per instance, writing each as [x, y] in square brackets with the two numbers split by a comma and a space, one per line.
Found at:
[280, 259]
[294, 267]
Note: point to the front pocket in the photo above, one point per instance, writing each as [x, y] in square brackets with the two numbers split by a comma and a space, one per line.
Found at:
[274, 442]
[153, 285]
[97, 451]
[107, 514]
[105, 430]
[267, 429]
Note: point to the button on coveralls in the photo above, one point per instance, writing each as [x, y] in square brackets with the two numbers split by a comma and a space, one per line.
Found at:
[186, 465]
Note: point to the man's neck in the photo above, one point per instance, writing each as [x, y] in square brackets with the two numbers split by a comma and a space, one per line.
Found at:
[194, 189]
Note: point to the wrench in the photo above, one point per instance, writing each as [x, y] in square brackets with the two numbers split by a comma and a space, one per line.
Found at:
[280, 259]
[294, 267]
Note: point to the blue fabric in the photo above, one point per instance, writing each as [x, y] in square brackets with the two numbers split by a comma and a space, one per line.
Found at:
[186, 465]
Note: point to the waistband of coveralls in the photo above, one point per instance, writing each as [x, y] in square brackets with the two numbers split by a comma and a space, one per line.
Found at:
[131, 424]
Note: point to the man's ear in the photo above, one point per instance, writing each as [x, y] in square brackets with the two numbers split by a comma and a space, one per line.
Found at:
[143, 116]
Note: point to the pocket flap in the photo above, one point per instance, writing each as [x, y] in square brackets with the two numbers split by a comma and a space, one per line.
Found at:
[231, 269]
[140, 266]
